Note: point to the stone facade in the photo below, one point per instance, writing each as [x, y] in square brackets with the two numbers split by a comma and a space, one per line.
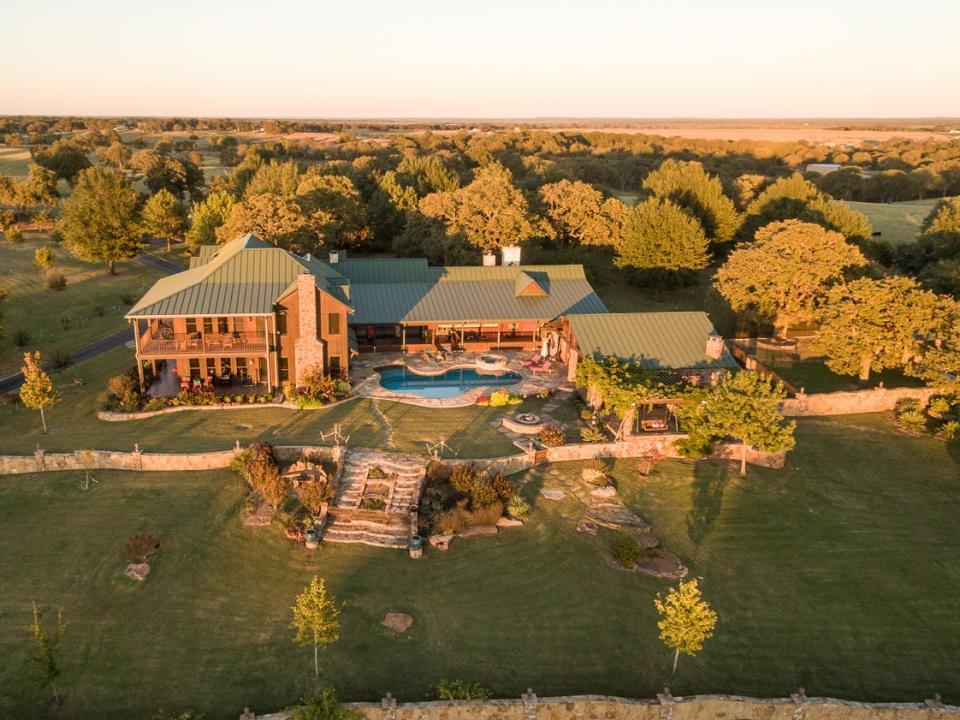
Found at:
[665, 707]
[308, 349]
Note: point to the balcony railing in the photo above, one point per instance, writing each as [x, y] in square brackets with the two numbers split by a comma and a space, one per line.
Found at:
[237, 343]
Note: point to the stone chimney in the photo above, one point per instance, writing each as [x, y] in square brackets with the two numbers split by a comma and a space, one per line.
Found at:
[714, 349]
[308, 349]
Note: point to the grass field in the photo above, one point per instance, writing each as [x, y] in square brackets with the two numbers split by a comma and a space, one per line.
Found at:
[90, 306]
[897, 222]
[14, 160]
[837, 574]
[73, 423]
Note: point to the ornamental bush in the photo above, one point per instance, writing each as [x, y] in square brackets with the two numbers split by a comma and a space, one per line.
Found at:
[912, 420]
[626, 550]
[552, 436]
[461, 690]
[518, 507]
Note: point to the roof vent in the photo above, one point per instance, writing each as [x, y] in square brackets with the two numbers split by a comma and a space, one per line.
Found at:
[336, 256]
[489, 260]
[308, 257]
[511, 255]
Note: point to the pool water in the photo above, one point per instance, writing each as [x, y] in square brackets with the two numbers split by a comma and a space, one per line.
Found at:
[451, 383]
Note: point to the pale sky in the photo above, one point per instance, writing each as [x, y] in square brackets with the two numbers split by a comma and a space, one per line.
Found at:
[420, 58]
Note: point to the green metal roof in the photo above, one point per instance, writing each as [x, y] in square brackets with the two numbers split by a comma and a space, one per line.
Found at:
[419, 294]
[655, 340]
[243, 277]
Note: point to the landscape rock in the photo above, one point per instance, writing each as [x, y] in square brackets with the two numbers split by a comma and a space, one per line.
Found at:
[137, 571]
[662, 564]
[398, 622]
[440, 542]
[478, 530]
[261, 517]
[506, 522]
[604, 492]
[585, 526]
[553, 494]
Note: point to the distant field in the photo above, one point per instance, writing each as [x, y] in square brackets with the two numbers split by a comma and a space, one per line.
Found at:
[898, 222]
[14, 160]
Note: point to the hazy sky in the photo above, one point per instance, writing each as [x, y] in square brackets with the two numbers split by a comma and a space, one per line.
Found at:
[419, 58]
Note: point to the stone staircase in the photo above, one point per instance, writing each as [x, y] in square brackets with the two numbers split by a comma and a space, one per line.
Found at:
[393, 525]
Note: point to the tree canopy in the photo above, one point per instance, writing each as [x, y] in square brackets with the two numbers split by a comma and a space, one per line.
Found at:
[658, 236]
[579, 214]
[65, 158]
[688, 185]
[163, 217]
[783, 274]
[99, 222]
[686, 619]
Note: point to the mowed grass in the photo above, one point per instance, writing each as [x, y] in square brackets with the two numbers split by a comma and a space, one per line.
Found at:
[14, 161]
[90, 307]
[837, 574]
[73, 423]
[897, 222]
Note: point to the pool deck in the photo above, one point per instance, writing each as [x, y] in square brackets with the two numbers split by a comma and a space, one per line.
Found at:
[363, 371]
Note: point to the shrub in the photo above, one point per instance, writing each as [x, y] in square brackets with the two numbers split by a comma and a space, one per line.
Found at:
[552, 436]
[906, 405]
[586, 414]
[591, 434]
[461, 690]
[14, 236]
[372, 502]
[324, 706]
[912, 420]
[515, 398]
[125, 389]
[452, 520]
[60, 359]
[626, 550]
[544, 393]
[463, 477]
[99, 310]
[939, 405]
[483, 400]
[518, 507]
[128, 298]
[695, 446]
[43, 257]
[499, 398]
[21, 337]
[314, 494]
[950, 430]
[596, 473]
[437, 472]
[258, 467]
[142, 546]
[56, 281]
[156, 403]
[486, 515]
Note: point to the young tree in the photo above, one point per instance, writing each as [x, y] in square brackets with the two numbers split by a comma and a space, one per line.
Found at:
[206, 217]
[316, 618]
[786, 271]
[37, 391]
[163, 217]
[99, 220]
[869, 325]
[688, 185]
[47, 646]
[660, 237]
[686, 620]
[746, 406]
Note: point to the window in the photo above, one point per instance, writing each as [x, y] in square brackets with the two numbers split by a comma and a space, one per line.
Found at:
[223, 325]
[333, 323]
[191, 325]
[225, 367]
[283, 369]
[208, 326]
[242, 368]
[281, 323]
[194, 368]
[211, 367]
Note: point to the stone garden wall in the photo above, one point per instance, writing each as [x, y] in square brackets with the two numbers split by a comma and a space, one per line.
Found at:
[852, 403]
[138, 461]
[665, 707]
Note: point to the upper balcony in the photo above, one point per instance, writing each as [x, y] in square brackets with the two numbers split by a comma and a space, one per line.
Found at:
[168, 344]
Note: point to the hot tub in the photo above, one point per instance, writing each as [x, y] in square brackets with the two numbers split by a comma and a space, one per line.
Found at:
[491, 363]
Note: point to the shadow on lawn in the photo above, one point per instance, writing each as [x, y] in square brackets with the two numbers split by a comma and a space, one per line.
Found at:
[710, 480]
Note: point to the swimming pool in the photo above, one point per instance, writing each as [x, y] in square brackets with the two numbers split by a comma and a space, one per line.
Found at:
[399, 378]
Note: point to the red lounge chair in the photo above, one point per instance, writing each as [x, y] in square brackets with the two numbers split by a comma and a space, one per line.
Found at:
[544, 367]
[535, 359]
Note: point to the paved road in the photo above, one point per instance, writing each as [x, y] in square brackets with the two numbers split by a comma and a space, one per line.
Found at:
[85, 352]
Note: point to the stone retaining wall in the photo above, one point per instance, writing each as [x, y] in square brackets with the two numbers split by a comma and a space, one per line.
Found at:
[110, 416]
[665, 707]
[139, 461]
[853, 403]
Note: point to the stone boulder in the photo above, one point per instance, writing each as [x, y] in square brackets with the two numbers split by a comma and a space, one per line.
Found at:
[508, 522]
[137, 571]
[553, 494]
[440, 542]
[398, 622]
[478, 530]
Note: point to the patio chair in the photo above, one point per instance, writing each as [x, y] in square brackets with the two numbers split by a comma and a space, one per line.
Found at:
[545, 367]
[535, 359]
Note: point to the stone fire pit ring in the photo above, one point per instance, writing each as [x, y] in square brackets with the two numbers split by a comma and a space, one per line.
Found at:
[523, 423]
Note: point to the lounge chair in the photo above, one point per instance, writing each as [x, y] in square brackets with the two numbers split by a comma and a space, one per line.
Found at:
[544, 367]
[535, 359]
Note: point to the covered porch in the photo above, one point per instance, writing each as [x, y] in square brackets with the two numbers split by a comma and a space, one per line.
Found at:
[467, 336]
[222, 375]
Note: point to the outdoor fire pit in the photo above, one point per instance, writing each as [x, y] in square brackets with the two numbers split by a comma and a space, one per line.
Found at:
[523, 423]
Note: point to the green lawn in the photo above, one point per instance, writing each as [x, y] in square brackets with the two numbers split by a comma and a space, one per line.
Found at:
[89, 308]
[898, 222]
[73, 423]
[14, 161]
[837, 574]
